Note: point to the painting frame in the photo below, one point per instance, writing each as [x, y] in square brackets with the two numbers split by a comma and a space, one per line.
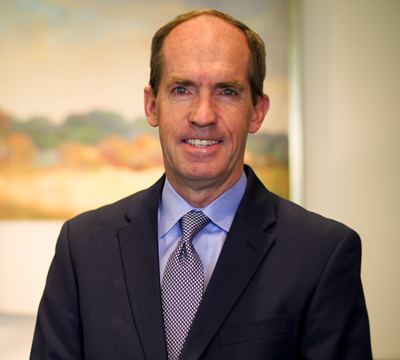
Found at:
[43, 232]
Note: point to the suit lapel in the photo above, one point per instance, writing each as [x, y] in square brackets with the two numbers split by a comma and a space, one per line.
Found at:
[245, 247]
[139, 252]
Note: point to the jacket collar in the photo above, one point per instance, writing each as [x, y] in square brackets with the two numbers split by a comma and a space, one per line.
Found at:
[138, 242]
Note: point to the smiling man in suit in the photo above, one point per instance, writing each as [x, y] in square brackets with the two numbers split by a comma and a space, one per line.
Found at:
[259, 277]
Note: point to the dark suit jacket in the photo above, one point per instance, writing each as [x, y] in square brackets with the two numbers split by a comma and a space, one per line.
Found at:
[286, 286]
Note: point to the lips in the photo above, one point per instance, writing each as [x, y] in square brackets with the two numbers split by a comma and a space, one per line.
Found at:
[201, 143]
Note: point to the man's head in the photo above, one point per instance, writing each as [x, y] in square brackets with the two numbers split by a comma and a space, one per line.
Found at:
[257, 68]
[204, 106]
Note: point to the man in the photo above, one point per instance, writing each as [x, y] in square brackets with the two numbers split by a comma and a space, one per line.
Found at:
[262, 279]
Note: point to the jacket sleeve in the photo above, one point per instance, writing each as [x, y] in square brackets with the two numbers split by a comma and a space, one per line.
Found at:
[336, 325]
[58, 332]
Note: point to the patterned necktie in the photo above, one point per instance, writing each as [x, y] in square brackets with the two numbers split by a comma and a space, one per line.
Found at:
[182, 285]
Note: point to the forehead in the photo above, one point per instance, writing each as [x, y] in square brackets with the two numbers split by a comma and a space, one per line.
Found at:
[206, 40]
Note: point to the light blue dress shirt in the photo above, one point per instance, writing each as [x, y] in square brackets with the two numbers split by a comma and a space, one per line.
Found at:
[209, 241]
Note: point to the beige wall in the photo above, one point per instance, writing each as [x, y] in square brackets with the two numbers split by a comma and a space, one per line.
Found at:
[351, 63]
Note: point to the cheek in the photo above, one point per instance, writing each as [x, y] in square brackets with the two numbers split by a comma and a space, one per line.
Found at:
[169, 132]
[171, 116]
[239, 128]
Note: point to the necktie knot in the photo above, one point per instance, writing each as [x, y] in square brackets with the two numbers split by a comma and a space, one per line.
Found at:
[192, 223]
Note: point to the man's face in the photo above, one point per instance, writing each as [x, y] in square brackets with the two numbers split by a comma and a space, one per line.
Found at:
[204, 107]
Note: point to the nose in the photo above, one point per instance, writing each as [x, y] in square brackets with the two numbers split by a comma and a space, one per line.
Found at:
[203, 112]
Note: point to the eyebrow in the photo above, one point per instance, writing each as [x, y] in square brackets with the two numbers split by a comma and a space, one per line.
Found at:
[181, 81]
[227, 84]
[223, 84]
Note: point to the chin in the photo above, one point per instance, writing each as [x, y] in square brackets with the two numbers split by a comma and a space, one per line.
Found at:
[204, 172]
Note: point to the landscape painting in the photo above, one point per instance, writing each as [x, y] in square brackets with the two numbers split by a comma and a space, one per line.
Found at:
[73, 135]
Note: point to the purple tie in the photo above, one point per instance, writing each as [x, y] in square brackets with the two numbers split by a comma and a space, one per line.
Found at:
[182, 285]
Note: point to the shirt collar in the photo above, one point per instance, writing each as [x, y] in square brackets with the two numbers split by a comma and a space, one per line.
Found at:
[221, 211]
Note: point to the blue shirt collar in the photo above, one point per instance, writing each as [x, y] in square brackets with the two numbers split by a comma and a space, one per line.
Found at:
[221, 211]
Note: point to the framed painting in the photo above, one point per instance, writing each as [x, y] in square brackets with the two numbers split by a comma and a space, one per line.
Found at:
[73, 135]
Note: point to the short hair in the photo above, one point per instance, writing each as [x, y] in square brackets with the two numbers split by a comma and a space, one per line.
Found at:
[257, 67]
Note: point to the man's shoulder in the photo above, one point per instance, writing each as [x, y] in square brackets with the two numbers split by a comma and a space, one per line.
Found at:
[114, 212]
[288, 217]
[297, 217]
[120, 212]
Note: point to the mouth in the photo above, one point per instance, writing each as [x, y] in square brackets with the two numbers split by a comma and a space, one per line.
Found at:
[201, 143]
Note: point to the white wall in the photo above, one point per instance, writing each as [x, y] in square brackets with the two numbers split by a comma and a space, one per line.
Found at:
[351, 60]
[26, 250]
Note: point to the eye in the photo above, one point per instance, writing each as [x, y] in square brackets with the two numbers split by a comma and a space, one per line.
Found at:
[228, 92]
[180, 90]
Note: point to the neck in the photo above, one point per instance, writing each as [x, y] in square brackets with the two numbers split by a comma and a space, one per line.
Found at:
[200, 193]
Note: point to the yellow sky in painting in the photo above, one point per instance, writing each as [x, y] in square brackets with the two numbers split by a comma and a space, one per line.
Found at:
[39, 78]
[60, 57]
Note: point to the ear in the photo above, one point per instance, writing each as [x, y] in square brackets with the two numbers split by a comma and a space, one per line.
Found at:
[259, 112]
[150, 107]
